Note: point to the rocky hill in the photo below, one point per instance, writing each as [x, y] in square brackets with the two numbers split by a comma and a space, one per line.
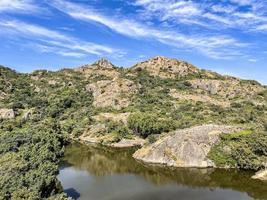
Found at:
[180, 114]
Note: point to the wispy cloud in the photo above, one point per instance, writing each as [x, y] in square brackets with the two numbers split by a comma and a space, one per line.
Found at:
[252, 60]
[215, 46]
[52, 41]
[211, 14]
[52, 49]
[18, 6]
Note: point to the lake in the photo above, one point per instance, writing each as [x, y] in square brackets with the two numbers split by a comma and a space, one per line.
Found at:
[94, 172]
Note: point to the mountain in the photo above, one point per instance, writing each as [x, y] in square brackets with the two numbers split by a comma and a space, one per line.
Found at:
[217, 120]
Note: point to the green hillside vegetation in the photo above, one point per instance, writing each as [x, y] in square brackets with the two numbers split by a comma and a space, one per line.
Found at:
[53, 107]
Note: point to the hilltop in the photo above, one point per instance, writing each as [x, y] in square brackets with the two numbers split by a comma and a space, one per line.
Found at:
[219, 121]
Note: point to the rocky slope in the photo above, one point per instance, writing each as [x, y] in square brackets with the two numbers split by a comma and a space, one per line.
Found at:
[153, 104]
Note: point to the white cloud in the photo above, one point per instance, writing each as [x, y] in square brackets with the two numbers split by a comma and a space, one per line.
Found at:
[51, 49]
[18, 6]
[51, 40]
[262, 27]
[210, 14]
[252, 60]
[30, 29]
[212, 46]
[243, 2]
[223, 8]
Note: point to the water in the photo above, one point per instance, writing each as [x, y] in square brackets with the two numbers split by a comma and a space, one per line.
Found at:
[90, 172]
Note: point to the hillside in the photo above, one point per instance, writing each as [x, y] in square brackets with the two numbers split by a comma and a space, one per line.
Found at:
[144, 105]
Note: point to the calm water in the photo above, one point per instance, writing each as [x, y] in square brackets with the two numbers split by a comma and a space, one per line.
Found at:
[101, 173]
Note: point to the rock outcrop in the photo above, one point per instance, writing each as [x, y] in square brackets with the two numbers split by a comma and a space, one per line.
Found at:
[103, 63]
[100, 68]
[198, 98]
[261, 175]
[27, 114]
[116, 93]
[185, 148]
[7, 113]
[118, 117]
[167, 68]
[124, 143]
[229, 88]
[97, 132]
[2, 95]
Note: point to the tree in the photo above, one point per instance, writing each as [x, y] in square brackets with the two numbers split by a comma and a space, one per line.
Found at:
[145, 124]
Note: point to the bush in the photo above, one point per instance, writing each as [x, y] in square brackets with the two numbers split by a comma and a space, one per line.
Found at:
[265, 126]
[118, 128]
[152, 139]
[67, 103]
[248, 150]
[145, 124]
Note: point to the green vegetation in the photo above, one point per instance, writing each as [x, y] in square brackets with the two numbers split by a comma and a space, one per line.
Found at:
[119, 130]
[52, 107]
[145, 124]
[29, 160]
[32, 143]
[246, 150]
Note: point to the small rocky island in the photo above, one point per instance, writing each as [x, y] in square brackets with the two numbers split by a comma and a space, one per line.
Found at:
[172, 112]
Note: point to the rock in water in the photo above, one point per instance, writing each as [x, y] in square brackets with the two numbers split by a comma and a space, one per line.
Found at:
[184, 148]
[124, 143]
[261, 175]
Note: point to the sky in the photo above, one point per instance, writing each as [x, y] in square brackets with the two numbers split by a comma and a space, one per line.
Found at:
[226, 36]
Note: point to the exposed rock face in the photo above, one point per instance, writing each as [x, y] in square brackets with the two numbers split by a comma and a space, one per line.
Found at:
[27, 114]
[116, 93]
[184, 148]
[129, 143]
[52, 82]
[198, 97]
[96, 132]
[226, 88]
[120, 117]
[2, 95]
[167, 68]
[103, 63]
[261, 175]
[7, 113]
[102, 67]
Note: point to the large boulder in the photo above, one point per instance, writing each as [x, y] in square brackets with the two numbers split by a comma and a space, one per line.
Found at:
[185, 148]
[7, 113]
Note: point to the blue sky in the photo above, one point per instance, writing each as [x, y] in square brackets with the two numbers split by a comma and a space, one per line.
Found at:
[227, 36]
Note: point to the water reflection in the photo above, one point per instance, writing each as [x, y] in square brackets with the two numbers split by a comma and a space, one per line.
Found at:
[72, 193]
[96, 172]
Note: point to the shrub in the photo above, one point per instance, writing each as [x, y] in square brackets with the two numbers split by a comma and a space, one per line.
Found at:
[265, 126]
[145, 124]
[152, 139]
[118, 128]
[67, 103]
[248, 150]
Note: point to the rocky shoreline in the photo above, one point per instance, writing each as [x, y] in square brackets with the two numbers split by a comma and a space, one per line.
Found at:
[184, 148]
